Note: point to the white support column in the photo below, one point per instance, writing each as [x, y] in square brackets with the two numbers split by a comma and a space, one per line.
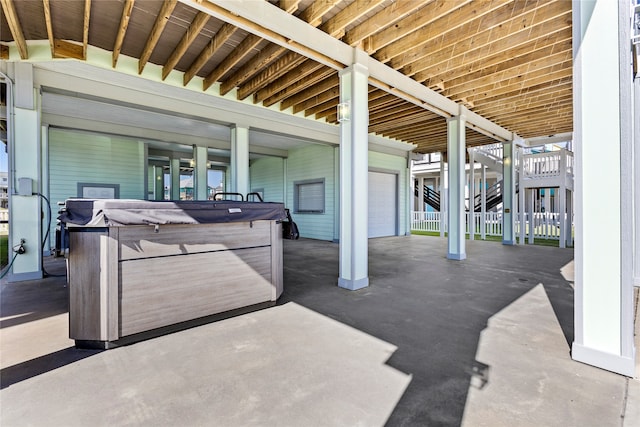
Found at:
[569, 225]
[532, 221]
[354, 177]
[444, 191]
[175, 178]
[200, 173]
[483, 202]
[562, 215]
[240, 159]
[509, 193]
[472, 196]
[420, 194]
[636, 180]
[456, 211]
[603, 111]
[24, 178]
[158, 193]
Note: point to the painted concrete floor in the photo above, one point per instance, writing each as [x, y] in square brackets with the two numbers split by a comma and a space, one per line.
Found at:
[478, 342]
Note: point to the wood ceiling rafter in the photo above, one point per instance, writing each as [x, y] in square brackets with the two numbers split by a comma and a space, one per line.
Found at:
[127, 8]
[85, 27]
[161, 22]
[47, 19]
[223, 34]
[14, 26]
[189, 37]
[296, 85]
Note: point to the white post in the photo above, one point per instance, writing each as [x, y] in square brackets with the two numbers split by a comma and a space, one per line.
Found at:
[603, 111]
[354, 177]
[456, 210]
[532, 221]
[444, 191]
[420, 194]
[472, 196]
[562, 212]
[200, 175]
[24, 178]
[509, 193]
[521, 200]
[483, 202]
[569, 225]
[175, 178]
[240, 159]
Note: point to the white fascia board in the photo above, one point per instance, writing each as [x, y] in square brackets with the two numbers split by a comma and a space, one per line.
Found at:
[294, 32]
[399, 146]
[551, 139]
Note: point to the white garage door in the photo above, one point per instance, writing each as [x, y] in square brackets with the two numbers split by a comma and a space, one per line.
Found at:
[382, 204]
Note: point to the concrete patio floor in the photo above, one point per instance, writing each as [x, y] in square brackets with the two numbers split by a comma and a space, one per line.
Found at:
[484, 341]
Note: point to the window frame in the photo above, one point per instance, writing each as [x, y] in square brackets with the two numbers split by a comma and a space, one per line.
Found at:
[296, 196]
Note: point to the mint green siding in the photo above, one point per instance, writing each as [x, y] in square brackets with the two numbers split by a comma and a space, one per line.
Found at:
[76, 156]
[267, 173]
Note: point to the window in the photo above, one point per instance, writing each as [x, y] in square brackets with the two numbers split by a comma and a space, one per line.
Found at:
[308, 196]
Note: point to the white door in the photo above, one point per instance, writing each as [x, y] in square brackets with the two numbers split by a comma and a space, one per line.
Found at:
[383, 204]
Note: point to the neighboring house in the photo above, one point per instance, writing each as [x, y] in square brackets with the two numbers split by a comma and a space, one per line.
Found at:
[4, 190]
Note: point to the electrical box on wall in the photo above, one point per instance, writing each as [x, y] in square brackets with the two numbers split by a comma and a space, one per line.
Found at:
[25, 186]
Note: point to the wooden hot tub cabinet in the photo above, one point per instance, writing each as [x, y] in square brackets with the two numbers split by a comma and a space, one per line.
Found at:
[127, 280]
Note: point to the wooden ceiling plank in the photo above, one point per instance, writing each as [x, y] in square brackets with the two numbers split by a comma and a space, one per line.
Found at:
[313, 13]
[265, 57]
[327, 84]
[513, 106]
[337, 24]
[538, 23]
[291, 89]
[497, 59]
[306, 69]
[423, 17]
[387, 17]
[317, 99]
[14, 26]
[223, 34]
[289, 6]
[85, 27]
[190, 35]
[122, 30]
[4, 52]
[276, 70]
[524, 95]
[47, 20]
[243, 49]
[66, 49]
[525, 71]
[332, 103]
[158, 27]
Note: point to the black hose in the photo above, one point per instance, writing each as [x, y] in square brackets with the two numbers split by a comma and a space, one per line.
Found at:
[8, 267]
[46, 235]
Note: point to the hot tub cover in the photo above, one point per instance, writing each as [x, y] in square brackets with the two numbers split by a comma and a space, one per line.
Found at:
[120, 212]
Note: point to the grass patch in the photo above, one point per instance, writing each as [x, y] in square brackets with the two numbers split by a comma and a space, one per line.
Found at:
[4, 250]
[541, 242]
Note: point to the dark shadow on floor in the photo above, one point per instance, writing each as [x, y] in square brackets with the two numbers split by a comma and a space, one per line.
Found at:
[40, 365]
[431, 308]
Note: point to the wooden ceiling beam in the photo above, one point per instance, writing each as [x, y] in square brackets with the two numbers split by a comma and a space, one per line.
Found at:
[380, 43]
[47, 21]
[190, 35]
[253, 66]
[325, 85]
[523, 72]
[66, 49]
[223, 34]
[313, 100]
[245, 46]
[513, 105]
[315, 11]
[550, 18]
[85, 27]
[4, 52]
[158, 27]
[276, 70]
[354, 11]
[305, 69]
[122, 30]
[332, 103]
[499, 60]
[289, 6]
[14, 26]
[521, 97]
[387, 17]
[395, 112]
[293, 88]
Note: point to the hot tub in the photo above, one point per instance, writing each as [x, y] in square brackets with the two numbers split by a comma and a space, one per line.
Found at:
[141, 268]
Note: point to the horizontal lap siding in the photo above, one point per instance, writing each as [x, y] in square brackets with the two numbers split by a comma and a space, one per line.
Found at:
[380, 161]
[313, 162]
[267, 173]
[85, 157]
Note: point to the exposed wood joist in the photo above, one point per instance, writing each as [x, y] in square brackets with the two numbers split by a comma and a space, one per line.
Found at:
[294, 86]
[223, 34]
[14, 26]
[190, 35]
[85, 27]
[47, 20]
[276, 70]
[158, 27]
[327, 84]
[122, 30]
[265, 57]
[4, 52]
[249, 42]
[336, 25]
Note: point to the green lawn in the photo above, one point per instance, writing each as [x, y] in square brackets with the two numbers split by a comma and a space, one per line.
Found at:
[541, 242]
[4, 250]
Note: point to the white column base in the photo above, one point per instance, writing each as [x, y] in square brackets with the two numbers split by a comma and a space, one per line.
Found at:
[353, 285]
[611, 362]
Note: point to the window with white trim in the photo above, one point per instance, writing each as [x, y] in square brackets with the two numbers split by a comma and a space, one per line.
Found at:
[308, 196]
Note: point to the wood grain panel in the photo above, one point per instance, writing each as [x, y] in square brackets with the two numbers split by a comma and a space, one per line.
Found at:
[158, 292]
[137, 242]
[85, 296]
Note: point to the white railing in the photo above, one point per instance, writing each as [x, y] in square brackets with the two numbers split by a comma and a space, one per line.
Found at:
[546, 225]
[547, 165]
[492, 150]
[4, 216]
